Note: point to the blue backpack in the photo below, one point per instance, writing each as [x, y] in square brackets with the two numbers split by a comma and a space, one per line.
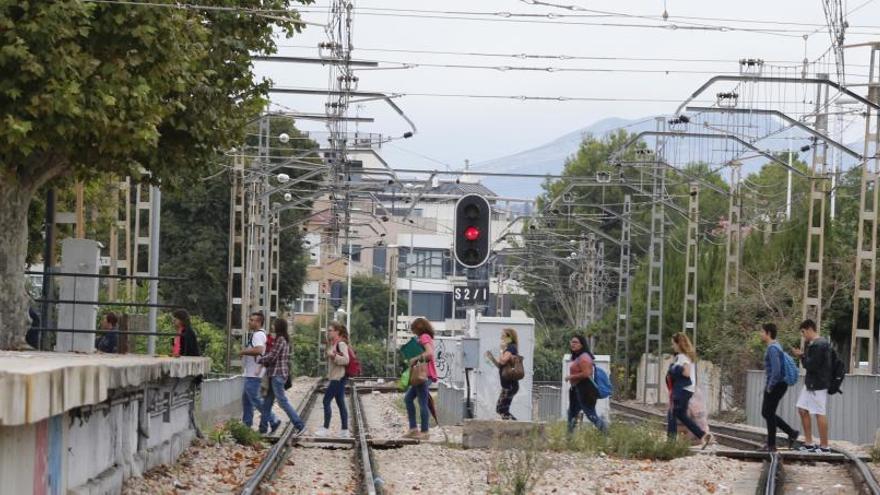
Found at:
[790, 371]
[602, 382]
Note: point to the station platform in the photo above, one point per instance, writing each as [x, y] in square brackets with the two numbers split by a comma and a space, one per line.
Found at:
[83, 423]
[39, 385]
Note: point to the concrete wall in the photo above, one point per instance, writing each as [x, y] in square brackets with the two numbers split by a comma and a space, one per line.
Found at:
[852, 416]
[220, 399]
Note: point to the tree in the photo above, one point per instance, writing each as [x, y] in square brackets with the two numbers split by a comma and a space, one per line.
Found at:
[97, 88]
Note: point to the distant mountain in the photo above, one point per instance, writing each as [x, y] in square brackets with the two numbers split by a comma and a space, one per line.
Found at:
[550, 158]
[546, 159]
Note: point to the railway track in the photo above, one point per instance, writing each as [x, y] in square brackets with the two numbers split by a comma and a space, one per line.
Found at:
[370, 484]
[773, 473]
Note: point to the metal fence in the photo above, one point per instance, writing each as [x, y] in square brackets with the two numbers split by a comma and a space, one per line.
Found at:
[546, 401]
[852, 416]
[450, 403]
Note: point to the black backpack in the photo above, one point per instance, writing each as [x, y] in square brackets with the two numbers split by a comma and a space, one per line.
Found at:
[838, 373]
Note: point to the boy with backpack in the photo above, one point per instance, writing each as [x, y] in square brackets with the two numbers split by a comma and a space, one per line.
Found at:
[818, 360]
[781, 373]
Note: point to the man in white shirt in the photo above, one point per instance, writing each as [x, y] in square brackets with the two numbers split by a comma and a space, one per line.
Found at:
[253, 374]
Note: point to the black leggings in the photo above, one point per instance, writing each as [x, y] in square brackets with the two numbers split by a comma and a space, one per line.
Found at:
[508, 390]
[768, 411]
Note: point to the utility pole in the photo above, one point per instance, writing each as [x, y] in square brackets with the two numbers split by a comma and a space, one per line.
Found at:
[236, 312]
[692, 262]
[654, 302]
[788, 187]
[624, 294]
[812, 304]
[155, 217]
[863, 346]
[734, 234]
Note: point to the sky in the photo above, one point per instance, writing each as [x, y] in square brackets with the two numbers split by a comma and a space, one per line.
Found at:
[452, 129]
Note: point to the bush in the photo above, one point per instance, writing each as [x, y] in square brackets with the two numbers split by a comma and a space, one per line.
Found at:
[623, 440]
[242, 433]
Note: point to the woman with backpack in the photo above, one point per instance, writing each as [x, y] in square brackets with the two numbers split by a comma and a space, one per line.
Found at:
[583, 394]
[337, 361]
[509, 387]
[679, 377]
[277, 369]
[423, 330]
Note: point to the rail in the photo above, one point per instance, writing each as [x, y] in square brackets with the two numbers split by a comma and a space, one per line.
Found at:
[279, 452]
[372, 483]
[773, 470]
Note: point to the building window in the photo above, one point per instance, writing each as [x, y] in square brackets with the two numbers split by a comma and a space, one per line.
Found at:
[379, 261]
[435, 306]
[306, 305]
[355, 252]
[423, 263]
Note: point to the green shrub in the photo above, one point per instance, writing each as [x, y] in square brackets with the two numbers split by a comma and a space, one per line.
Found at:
[624, 441]
[242, 433]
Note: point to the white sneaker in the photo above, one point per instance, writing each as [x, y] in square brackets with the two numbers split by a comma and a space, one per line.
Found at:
[322, 432]
[344, 434]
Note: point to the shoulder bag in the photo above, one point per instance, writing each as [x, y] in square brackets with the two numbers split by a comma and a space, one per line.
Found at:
[418, 373]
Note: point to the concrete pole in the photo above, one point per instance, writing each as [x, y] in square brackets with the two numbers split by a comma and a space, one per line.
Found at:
[155, 211]
[788, 189]
[409, 264]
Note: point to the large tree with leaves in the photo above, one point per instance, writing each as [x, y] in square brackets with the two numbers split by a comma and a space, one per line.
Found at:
[97, 88]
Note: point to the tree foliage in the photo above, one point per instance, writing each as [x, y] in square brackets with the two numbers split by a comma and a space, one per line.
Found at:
[96, 88]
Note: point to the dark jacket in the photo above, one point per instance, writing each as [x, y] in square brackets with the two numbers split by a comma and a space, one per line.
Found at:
[189, 344]
[108, 341]
[817, 361]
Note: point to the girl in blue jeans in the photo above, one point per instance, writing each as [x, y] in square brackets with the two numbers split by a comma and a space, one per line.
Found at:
[337, 361]
[679, 377]
[277, 369]
[423, 330]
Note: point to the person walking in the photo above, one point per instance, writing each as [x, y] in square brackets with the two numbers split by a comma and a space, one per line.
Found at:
[253, 374]
[509, 388]
[813, 399]
[680, 374]
[108, 341]
[276, 363]
[775, 388]
[337, 361]
[424, 332]
[582, 394]
[185, 343]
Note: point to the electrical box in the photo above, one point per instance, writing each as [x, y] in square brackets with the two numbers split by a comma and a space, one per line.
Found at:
[470, 352]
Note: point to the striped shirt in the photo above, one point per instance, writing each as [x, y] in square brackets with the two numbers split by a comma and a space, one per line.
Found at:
[276, 360]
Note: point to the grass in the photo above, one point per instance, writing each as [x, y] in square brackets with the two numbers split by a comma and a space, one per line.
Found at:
[623, 441]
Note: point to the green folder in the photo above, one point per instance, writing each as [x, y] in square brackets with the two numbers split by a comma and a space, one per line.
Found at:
[411, 349]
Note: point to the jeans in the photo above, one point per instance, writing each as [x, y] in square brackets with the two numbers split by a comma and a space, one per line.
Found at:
[768, 411]
[582, 397]
[679, 412]
[409, 399]
[336, 391]
[508, 391]
[276, 391]
[251, 401]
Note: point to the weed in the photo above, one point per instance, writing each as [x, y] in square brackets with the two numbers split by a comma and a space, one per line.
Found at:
[517, 471]
[219, 434]
[242, 433]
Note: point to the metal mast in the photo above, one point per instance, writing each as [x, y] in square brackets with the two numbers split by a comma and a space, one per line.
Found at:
[654, 306]
[692, 261]
[734, 235]
[624, 292]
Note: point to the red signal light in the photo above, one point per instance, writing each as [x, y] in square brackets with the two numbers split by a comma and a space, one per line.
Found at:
[472, 233]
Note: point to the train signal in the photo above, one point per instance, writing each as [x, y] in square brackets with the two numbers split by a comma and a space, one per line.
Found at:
[472, 220]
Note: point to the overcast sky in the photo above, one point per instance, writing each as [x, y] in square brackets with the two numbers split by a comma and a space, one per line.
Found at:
[451, 130]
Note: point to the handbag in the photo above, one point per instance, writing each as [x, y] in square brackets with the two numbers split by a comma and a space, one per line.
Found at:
[513, 371]
[418, 373]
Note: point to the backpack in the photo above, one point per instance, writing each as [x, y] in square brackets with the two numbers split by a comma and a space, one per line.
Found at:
[513, 370]
[602, 382]
[790, 372]
[353, 368]
[838, 373]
